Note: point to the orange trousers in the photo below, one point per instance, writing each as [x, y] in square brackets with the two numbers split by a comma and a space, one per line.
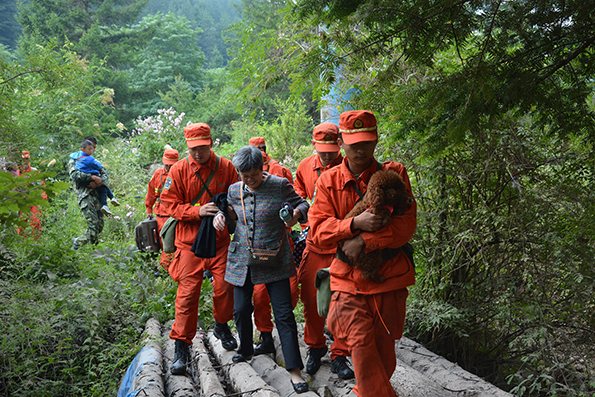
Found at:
[262, 304]
[166, 258]
[369, 326]
[34, 221]
[187, 270]
[314, 328]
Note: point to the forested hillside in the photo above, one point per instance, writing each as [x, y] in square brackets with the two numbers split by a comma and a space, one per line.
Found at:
[489, 104]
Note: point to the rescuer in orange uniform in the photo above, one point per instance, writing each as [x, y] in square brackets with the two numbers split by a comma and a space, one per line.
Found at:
[367, 316]
[314, 258]
[170, 157]
[185, 180]
[260, 297]
[271, 166]
[34, 211]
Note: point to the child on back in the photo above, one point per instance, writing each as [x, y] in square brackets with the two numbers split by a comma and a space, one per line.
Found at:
[85, 162]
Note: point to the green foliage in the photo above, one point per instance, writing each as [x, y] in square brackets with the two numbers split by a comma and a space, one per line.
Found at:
[172, 51]
[18, 194]
[49, 102]
[9, 27]
[258, 69]
[503, 241]
[73, 318]
[211, 16]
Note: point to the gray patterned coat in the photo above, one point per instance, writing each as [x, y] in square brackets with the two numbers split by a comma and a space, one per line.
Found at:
[264, 224]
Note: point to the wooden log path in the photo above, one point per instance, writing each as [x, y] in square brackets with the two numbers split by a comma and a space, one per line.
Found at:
[419, 372]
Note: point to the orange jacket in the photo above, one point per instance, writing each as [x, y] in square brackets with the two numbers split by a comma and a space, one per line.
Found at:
[274, 168]
[154, 191]
[182, 186]
[308, 173]
[335, 197]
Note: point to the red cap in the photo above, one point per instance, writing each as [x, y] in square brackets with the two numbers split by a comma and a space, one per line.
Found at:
[197, 134]
[256, 141]
[325, 137]
[25, 154]
[357, 126]
[170, 156]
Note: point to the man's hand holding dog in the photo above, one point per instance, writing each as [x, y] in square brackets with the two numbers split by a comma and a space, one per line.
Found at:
[367, 222]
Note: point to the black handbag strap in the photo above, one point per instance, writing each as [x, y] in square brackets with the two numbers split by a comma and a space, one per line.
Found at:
[205, 185]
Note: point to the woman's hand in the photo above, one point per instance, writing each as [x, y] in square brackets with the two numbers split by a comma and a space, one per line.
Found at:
[296, 216]
[219, 222]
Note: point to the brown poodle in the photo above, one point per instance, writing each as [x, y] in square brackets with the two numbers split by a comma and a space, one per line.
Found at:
[386, 196]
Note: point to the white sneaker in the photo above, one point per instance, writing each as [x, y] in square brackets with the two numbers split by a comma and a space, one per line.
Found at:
[106, 210]
[115, 202]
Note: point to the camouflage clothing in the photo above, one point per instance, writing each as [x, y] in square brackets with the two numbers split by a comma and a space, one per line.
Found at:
[88, 202]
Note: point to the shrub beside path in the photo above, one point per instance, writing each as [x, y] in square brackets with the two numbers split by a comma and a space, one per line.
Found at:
[419, 372]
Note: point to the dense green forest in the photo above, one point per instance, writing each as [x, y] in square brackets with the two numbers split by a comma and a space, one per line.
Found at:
[489, 104]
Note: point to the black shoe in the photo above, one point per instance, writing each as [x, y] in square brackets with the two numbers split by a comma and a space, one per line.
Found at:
[74, 246]
[223, 333]
[240, 358]
[313, 363]
[340, 367]
[181, 356]
[266, 345]
[301, 387]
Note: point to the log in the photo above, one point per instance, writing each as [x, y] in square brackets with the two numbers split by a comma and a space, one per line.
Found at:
[148, 375]
[448, 375]
[176, 385]
[241, 376]
[323, 381]
[276, 376]
[210, 386]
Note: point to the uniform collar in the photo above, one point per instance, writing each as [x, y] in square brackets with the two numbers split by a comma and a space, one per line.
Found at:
[209, 164]
[364, 176]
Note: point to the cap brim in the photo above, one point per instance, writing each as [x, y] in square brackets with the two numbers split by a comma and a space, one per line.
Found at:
[326, 147]
[198, 142]
[356, 137]
[169, 162]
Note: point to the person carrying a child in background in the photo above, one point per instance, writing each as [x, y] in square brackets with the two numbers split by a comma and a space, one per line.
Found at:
[153, 204]
[85, 162]
[84, 186]
[365, 315]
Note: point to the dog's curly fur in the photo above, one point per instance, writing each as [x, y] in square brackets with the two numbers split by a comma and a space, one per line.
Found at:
[385, 189]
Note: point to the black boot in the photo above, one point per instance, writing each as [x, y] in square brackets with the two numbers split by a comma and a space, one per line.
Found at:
[181, 356]
[340, 367]
[223, 333]
[266, 345]
[313, 363]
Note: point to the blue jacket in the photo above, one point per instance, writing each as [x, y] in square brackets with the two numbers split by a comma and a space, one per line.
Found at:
[264, 224]
[85, 163]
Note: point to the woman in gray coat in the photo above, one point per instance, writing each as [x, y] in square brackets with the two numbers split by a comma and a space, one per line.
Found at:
[256, 201]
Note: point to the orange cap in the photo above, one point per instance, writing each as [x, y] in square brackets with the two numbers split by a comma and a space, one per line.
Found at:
[170, 156]
[325, 137]
[25, 154]
[197, 134]
[256, 141]
[357, 126]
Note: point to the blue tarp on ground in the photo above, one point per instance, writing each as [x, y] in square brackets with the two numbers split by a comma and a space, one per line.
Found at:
[144, 356]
